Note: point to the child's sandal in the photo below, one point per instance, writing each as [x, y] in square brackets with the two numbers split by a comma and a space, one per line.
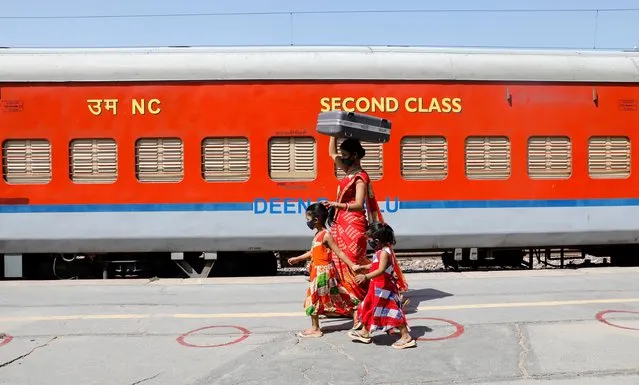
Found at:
[403, 344]
[356, 335]
[310, 335]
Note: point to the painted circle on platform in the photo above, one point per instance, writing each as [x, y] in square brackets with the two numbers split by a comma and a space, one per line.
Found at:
[245, 334]
[459, 329]
[5, 339]
[601, 317]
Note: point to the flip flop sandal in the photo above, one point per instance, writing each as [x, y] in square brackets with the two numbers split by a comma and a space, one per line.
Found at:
[310, 335]
[357, 326]
[403, 344]
[355, 335]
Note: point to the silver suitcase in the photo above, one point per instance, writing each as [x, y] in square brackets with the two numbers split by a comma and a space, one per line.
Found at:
[342, 124]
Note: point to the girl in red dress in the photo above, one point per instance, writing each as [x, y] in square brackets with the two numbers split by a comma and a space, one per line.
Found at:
[381, 309]
[325, 294]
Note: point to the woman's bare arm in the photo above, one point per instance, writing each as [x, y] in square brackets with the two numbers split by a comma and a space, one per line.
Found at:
[332, 147]
[357, 267]
[334, 154]
[360, 195]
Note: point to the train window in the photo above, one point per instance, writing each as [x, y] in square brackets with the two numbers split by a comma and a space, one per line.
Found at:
[549, 157]
[26, 161]
[372, 162]
[487, 157]
[609, 157]
[292, 158]
[93, 161]
[225, 159]
[159, 159]
[424, 157]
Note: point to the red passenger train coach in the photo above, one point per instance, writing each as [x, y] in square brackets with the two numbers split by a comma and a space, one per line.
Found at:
[111, 153]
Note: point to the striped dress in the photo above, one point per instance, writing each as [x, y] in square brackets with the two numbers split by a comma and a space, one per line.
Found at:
[381, 308]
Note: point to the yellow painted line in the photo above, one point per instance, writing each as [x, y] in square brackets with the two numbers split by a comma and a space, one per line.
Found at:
[529, 304]
[429, 308]
[301, 313]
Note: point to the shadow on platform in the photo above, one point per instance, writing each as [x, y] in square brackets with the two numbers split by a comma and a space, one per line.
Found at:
[422, 295]
[342, 324]
[387, 340]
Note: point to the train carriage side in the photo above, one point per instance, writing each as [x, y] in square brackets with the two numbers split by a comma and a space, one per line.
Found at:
[114, 166]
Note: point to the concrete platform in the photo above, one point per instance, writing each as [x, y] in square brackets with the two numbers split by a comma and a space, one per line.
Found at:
[525, 327]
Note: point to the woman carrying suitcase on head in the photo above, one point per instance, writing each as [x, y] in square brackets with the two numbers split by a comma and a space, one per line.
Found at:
[350, 219]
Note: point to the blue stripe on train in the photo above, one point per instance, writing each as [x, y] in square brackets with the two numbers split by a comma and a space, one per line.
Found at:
[528, 203]
[248, 206]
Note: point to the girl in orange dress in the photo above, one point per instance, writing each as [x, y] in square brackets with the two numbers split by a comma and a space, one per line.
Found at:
[352, 217]
[325, 295]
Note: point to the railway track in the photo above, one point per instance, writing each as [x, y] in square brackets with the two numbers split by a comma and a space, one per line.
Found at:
[59, 266]
[535, 259]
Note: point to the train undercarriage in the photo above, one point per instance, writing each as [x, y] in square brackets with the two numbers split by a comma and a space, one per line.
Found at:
[245, 264]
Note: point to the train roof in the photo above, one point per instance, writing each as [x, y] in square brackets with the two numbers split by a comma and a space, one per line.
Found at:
[315, 63]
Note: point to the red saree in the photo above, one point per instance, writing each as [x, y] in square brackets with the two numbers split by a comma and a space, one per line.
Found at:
[349, 232]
